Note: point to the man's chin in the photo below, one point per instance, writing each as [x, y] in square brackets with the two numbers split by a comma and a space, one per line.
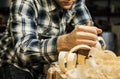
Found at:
[67, 7]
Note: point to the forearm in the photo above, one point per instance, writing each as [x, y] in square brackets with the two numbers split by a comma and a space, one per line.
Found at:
[35, 51]
[29, 48]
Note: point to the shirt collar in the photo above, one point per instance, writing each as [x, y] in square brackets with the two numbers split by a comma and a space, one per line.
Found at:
[48, 5]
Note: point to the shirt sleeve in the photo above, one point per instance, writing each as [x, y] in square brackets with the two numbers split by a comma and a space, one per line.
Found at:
[30, 49]
[82, 13]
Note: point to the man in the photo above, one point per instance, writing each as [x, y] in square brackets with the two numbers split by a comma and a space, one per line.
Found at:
[43, 28]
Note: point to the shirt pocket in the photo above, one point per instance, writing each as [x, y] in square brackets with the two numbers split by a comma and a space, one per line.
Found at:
[48, 29]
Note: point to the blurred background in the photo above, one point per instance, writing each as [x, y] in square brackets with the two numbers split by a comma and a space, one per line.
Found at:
[4, 13]
[105, 14]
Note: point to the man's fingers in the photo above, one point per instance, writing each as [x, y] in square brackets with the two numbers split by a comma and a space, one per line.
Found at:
[86, 35]
[86, 42]
[86, 29]
[91, 29]
[99, 31]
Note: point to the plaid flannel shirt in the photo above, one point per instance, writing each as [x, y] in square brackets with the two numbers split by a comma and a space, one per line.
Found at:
[35, 26]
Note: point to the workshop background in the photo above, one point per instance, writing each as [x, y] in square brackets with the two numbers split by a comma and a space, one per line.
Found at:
[105, 14]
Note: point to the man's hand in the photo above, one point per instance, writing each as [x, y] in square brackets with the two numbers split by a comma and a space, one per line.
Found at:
[80, 35]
